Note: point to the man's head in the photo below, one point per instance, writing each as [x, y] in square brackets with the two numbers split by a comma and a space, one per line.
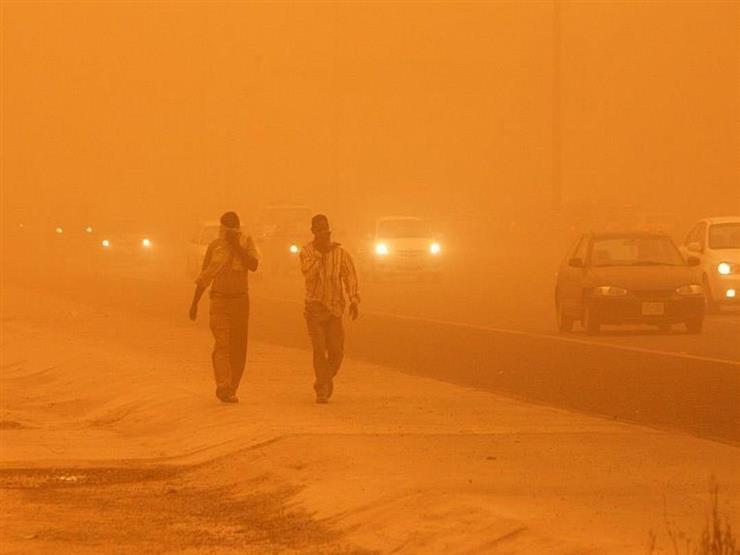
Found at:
[320, 228]
[230, 220]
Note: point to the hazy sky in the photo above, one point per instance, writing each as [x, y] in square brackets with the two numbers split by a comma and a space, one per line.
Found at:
[447, 108]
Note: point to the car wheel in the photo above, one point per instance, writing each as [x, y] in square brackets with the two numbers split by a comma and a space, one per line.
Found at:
[695, 326]
[590, 324]
[711, 305]
[565, 322]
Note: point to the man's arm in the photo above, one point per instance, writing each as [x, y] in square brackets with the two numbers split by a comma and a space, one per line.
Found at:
[310, 261]
[249, 253]
[351, 283]
[215, 259]
[199, 290]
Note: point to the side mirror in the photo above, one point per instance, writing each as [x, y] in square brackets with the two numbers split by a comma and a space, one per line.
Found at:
[693, 261]
[694, 247]
[575, 262]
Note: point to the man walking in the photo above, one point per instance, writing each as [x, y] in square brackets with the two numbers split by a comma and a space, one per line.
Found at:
[225, 267]
[327, 267]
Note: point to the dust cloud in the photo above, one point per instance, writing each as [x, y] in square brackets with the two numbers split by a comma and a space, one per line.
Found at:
[493, 134]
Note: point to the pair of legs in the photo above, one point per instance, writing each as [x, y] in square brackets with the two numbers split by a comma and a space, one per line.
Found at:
[229, 321]
[327, 338]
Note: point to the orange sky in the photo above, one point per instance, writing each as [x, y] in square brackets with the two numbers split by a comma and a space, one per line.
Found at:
[193, 107]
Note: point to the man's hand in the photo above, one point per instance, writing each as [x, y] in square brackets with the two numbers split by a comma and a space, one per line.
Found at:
[233, 238]
[193, 312]
[354, 311]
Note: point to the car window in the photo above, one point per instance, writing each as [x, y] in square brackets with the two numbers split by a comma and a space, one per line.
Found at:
[634, 251]
[724, 236]
[392, 229]
[581, 249]
[701, 234]
[691, 234]
[209, 234]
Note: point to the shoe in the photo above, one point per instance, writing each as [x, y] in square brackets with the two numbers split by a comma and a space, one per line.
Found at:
[222, 393]
[230, 399]
[330, 389]
[322, 400]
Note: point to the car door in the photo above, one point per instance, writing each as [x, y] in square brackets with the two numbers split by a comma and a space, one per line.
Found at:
[684, 248]
[571, 278]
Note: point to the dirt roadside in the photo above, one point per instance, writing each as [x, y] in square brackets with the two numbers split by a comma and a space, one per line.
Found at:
[112, 443]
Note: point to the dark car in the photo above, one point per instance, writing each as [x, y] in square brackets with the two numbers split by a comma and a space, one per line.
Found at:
[628, 278]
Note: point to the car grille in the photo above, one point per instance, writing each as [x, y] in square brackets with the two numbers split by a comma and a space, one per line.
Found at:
[653, 293]
[410, 253]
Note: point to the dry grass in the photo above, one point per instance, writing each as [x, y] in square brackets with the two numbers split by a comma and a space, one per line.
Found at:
[716, 538]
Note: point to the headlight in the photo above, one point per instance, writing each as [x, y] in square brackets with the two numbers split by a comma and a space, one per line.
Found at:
[293, 249]
[690, 290]
[730, 293]
[724, 268]
[88, 229]
[59, 230]
[146, 243]
[105, 243]
[609, 291]
[381, 249]
[435, 248]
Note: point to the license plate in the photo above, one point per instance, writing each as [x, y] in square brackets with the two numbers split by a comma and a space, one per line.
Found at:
[653, 309]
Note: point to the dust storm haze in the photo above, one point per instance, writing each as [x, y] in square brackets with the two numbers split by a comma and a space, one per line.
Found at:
[540, 202]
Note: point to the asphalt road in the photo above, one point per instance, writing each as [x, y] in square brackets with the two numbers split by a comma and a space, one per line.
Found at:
[502, 341]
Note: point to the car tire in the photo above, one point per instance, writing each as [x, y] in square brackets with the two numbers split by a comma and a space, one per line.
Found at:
[694, 326]
[590, 324]
[565, 322]
[711, 305]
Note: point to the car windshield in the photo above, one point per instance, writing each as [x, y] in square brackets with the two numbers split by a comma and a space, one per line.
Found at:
[210, 233]
[394, 229]
[286, 215]
[724, 236]
[635, 251]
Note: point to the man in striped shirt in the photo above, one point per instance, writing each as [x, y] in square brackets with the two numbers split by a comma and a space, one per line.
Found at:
[329, 271]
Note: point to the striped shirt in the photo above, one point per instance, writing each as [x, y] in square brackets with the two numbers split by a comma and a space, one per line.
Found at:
[325, 275]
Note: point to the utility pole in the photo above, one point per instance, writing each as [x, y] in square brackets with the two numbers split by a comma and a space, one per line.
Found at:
[557, 146]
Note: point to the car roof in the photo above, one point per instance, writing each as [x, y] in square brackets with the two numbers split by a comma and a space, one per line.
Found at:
[400, 218]
[722, 220]
[618, 234]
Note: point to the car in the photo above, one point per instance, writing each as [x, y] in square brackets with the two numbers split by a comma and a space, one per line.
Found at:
[283, 229]
[716, 243]
[403, 245]
[126, 243]
[203, 234]
[628, 278]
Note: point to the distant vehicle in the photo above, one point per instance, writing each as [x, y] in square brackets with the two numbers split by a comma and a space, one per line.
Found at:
[402, 246]
[716, 243]
[628, 278]
[126, 241]
[203, 235]
[283, 229]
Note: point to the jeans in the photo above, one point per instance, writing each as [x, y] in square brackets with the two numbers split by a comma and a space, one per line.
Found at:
[229, 321]
[327, 338]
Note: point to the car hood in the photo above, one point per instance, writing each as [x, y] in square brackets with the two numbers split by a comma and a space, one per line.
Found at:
[407, 243]
[725, 255]
[644, 277]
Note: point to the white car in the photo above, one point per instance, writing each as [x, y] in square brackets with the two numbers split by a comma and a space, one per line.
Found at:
[203, 235]
[404, 245]
[716, 242]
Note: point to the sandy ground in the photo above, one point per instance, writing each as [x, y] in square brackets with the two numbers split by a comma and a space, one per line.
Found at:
[112, 442]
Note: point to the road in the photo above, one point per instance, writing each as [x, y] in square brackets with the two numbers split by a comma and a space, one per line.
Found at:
[500, 339]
